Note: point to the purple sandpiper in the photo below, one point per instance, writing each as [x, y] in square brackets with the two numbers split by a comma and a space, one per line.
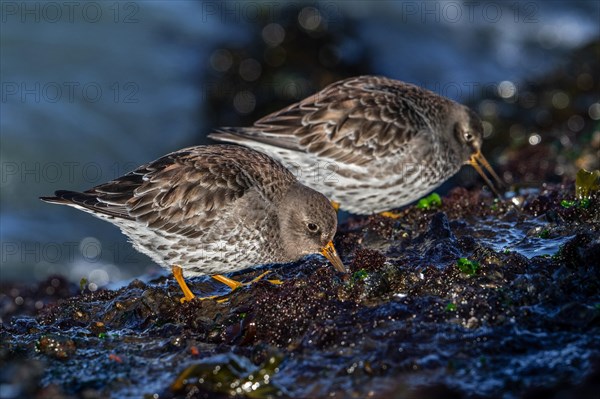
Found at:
[370, 143]
[214, 210]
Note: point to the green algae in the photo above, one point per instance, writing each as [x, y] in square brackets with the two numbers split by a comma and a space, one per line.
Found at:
[431, 201]
[468, 267]
[567, 204]
[544, 234]
[359, 275]
[451, 307]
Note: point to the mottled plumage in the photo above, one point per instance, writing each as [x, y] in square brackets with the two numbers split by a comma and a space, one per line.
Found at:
[213, 210]
[370, 143]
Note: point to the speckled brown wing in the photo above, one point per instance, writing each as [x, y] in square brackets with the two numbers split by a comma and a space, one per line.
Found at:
[186, 191]
[349, 121]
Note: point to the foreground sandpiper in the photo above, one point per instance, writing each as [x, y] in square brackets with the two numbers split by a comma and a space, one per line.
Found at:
[370, 143]
[214, 210]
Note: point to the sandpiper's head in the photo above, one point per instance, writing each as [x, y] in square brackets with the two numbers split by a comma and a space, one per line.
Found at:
[468, 132]
[308, 223]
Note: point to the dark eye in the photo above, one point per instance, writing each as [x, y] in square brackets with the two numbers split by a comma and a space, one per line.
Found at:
[468, 137]
[313, 228]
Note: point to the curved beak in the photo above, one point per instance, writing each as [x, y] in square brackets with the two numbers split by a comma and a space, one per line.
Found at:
[330, 253]
[476, 161]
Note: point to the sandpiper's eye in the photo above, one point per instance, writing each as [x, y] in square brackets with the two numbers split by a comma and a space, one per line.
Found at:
[468, 137]
[313, 228]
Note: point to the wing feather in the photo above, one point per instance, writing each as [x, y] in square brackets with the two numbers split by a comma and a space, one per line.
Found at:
[186, 191]
[347, 121]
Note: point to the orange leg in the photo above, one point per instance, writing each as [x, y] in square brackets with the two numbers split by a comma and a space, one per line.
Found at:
[335, 205]
[234, 285]
[391, 215]
[178, 273]
[188, 295]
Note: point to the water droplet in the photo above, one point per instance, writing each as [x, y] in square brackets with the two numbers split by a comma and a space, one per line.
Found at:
[488, 108]
[560, 100]
[273, 34]
[594, 111]
[488, 129]
[575, 123]
[535, 139]
[310, 18]
[244, 102]
[250, 69]
[507, 89]
[90, 248]
[221, 60]
[99, 277]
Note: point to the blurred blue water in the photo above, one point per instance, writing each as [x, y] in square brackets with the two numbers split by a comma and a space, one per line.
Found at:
[91, 90]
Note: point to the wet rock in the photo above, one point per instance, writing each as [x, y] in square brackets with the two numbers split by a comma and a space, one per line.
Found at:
[438, 243]
[227, 375]
[367, 259]
[56, 346]
[459, 301]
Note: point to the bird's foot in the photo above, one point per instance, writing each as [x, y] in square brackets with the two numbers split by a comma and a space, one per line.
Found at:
[188, 295]
[391, 215]
[335, 205]
[234, 285]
